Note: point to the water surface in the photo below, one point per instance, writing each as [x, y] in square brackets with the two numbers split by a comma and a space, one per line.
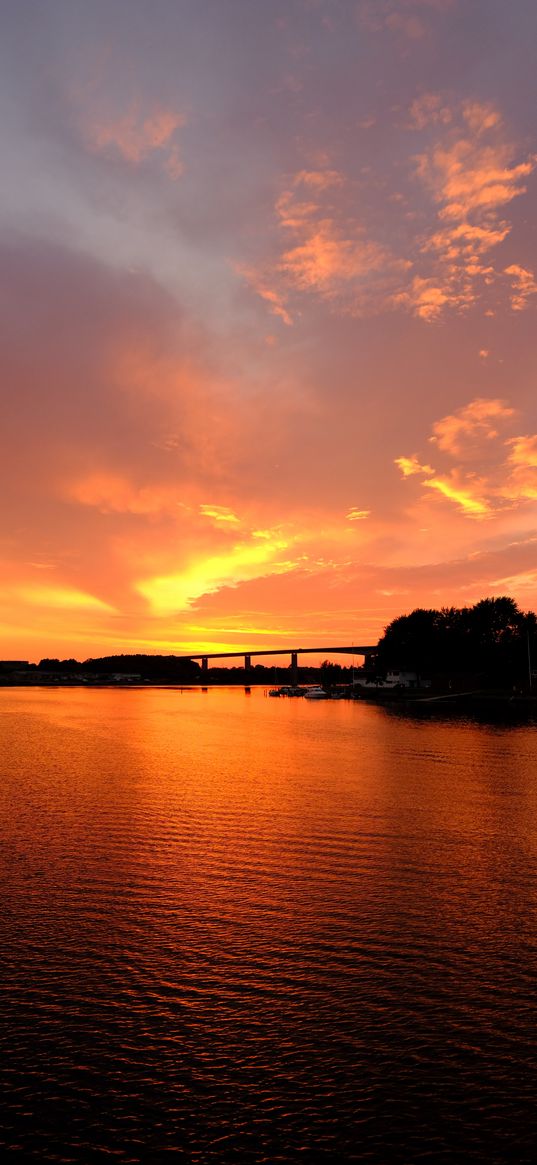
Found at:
[254, 930]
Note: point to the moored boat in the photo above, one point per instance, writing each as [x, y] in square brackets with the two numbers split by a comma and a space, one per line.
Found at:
[316, 693]
[287, 691]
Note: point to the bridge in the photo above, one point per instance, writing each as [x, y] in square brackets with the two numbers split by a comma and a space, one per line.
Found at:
[293, 652]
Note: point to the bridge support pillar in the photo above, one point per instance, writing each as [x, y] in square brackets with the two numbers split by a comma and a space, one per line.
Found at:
[204, 665]
[247, 662]
[294, 669]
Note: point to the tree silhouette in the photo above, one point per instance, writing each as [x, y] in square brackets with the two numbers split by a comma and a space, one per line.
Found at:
[492, 641]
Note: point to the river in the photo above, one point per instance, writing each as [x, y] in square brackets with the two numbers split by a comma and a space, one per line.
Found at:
[254, 930]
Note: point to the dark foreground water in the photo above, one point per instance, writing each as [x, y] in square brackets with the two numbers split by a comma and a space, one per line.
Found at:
[254, 930]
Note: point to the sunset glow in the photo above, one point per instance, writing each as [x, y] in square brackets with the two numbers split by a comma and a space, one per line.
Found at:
[268, 303]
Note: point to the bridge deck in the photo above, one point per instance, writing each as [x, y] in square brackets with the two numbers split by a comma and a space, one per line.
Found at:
[352, 650]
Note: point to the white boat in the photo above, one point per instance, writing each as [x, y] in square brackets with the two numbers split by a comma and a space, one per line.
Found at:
[287, 691]
[316, 693]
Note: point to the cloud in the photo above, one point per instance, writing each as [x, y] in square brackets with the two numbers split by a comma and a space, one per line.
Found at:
[327, 256]
[459, 433]
[523, 284]
[56, 597]
[355, 515]
[471, 171]
[427, 299]
[246, 560]
[408, 17]
[502, 473]
[137, 134]
[522, 463]
[429, 109]
[111, 493]
[466, 494]
[338, 242]
[523, 452]
[221, 515]
[319, 179]
[327, 262]
[410, 466]
[152, 436]
[275, 300]
[326, 250]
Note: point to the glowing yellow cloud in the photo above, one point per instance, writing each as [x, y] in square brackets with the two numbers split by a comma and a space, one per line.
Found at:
[524, 451]
[221, 515]
[410, 466]
[471, 435]
[358, 515]
[467, 502]
[522, 462]
[468, 435]
[245, 561]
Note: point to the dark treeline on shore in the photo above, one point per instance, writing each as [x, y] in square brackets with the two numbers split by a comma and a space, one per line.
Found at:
[161, 669]
[494, 642]
[157, 668]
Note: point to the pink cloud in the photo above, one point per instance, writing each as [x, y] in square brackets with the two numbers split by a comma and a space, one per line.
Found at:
[326, 251]
[523, 286]
[136, 135]
[408, 17]
[472, 174]
[460, 433]
[468, 172]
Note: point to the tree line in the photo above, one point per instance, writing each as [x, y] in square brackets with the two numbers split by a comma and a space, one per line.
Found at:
[493, 641]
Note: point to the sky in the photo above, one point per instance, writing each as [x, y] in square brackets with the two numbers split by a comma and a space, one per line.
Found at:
[268, 309]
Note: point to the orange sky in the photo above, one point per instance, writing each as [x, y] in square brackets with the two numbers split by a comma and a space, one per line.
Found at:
[268, 305]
